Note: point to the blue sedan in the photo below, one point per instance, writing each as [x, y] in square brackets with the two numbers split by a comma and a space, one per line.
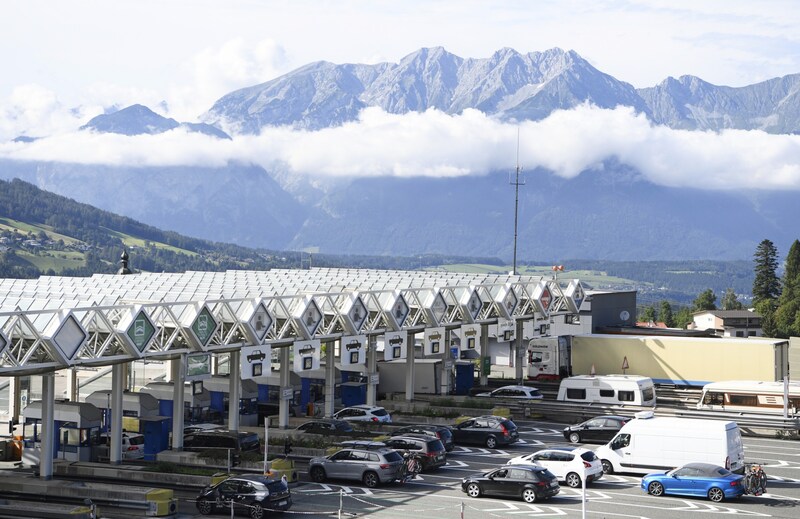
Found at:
[696, 479]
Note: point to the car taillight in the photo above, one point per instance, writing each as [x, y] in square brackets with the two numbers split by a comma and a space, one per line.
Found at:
[132, 448]
[385, 465]
[541, 483]
[374, 419]
[734, 483]
[503, 428]
[587, 465]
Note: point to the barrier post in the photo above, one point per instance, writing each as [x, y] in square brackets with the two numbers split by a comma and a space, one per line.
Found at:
[341, 494]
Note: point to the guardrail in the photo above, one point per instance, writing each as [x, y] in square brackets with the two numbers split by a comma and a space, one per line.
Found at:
[581, 412]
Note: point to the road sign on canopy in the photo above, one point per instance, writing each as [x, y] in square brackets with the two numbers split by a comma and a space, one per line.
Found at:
[141, 330]
[434, 341]
[307, 315]
[394, 346]
[353, 350]
[575, 295]
[306, 356]
[259, 323]
[399, 312]
[255, 361]
[66, 334]
[625, 364]
[543, 297]
[470, 337]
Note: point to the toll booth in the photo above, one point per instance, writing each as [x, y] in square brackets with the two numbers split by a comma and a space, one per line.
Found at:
[219, 387]
[196, 403]
[269, 395]
[140, 413]
[77, 427]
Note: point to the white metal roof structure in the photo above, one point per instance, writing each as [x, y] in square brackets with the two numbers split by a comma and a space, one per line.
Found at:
[55, 322]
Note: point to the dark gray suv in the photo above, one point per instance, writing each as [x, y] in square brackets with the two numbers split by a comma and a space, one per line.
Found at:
[486, 430]
[371, 466]
[428, 450]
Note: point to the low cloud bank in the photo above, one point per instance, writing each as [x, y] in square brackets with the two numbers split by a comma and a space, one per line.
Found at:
[436, 144]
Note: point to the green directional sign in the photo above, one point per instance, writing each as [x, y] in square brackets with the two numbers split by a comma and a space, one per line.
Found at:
[204, 326]
[141, 331]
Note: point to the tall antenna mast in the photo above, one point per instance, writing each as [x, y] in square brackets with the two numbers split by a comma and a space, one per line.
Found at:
[516, 185]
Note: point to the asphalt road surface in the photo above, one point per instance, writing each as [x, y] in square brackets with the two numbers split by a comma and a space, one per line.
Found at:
[438, 495]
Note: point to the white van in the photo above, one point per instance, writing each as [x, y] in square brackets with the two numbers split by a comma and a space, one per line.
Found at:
[649, 444]
[608, 389]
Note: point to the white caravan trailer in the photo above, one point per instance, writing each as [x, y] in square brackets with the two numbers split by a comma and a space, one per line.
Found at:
[608, 389]
[751, 396]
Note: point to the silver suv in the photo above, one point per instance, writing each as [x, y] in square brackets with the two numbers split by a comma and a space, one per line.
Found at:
[370, 466]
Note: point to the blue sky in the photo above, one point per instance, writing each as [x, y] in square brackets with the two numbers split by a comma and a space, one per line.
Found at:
[64, 61]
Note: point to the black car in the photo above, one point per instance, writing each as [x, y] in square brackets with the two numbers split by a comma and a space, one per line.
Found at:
[326, 426]
[253, 494]
[486, 430]
[597, 429]
[428, 450]
[442, 432]
[531, 483]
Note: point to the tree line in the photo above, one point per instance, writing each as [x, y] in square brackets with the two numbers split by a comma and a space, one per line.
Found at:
[775, 298]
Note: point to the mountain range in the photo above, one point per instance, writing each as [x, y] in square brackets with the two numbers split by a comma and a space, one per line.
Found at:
[612, 212]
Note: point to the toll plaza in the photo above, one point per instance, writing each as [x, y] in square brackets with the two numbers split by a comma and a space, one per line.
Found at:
[303, 322]
[140, 413]
[75, 431]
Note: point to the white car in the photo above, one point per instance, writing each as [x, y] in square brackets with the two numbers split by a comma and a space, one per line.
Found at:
[364, 413]
[567, 463]
[522, 392]
[132, 444]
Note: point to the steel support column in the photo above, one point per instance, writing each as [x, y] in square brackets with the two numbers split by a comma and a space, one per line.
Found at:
[234, 390]
[176, 373]
[48, 426]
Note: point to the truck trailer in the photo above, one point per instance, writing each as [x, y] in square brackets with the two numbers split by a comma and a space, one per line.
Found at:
[682, 361]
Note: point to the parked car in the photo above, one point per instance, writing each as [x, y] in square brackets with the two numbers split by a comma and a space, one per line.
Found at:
[254, 494]
[599, 428]
[326, 426]
[132, 445]
[196, 427]
[428, 450]
[519, 392]
[364, 413]
[567, 463]
[371, 467]
[443, 432]
[219, 439]
[529, 482]
[486, 430]
[696, 479]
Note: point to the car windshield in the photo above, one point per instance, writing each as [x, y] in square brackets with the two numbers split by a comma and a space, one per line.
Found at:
[136, 440]
[379, 412]
[588, 456]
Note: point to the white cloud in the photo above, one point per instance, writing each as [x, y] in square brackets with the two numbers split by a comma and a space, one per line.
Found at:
[215, 72]
[436, 144]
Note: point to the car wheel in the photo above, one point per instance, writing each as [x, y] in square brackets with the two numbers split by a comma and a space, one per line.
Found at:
[608, 468]
[473, 490]
[529, 495]
[716, 494]
[370, 479]
[256, 511]
[655, 489]
[573, 480]
[574, 437]
[491, 442]
[317, 474]
[205, 507]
